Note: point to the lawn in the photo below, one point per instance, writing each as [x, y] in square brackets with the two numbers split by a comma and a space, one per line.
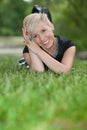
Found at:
[42, 101]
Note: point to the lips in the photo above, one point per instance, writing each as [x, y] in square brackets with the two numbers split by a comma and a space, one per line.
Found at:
[45, 42]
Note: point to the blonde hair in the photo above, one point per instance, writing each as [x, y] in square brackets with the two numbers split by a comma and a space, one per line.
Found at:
[31, 21]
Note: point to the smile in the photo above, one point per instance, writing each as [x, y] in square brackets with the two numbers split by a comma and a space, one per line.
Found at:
[46, 42]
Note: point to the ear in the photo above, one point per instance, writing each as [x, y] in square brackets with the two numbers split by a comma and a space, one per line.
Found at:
[26, 33]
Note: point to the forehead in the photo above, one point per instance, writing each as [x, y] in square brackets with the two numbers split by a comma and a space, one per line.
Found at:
[40, 25]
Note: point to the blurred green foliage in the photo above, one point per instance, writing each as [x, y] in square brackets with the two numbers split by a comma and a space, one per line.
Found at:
[69, 17]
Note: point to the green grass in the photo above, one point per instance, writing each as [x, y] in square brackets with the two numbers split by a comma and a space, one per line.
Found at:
[42, 101]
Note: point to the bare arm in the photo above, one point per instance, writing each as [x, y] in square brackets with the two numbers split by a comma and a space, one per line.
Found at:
[32, 59]
[36, 63]
[27, 58]
[63, 67]
[39, 56]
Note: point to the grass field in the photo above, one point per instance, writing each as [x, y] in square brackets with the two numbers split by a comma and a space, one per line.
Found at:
[42, 101]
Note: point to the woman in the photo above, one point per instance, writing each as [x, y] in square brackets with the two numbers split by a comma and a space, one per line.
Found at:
[45, 49]
[36, 9]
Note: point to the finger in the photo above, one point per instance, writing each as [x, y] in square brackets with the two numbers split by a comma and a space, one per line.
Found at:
[26, 43]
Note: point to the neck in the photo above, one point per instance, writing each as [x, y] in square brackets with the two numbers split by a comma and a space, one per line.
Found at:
[53, 50]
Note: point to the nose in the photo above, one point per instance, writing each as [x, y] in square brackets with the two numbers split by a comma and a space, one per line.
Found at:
[41, 37]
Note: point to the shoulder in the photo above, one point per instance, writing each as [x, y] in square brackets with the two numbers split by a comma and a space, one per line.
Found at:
[64, 42]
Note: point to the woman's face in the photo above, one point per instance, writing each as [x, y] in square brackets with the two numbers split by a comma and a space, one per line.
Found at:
[43, 35]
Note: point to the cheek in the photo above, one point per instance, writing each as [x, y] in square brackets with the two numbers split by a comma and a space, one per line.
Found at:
[50, 33]
[37, 41]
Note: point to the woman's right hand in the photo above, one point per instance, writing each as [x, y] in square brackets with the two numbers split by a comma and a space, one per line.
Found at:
[28, 42]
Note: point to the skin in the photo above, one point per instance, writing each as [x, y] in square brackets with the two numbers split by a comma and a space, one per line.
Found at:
[42, 47]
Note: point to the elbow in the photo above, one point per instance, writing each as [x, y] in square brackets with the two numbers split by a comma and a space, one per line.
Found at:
[38, 70]
[67, 70]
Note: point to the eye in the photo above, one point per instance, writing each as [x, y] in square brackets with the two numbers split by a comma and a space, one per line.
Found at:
[43, 30]
[34, 36]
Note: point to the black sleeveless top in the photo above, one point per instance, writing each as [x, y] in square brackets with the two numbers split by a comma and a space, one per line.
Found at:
[63, 45]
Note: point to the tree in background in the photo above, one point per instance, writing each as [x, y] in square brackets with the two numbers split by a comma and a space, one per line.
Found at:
[69, 17]
[71, 20]
[12, 13]
[76, 19]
